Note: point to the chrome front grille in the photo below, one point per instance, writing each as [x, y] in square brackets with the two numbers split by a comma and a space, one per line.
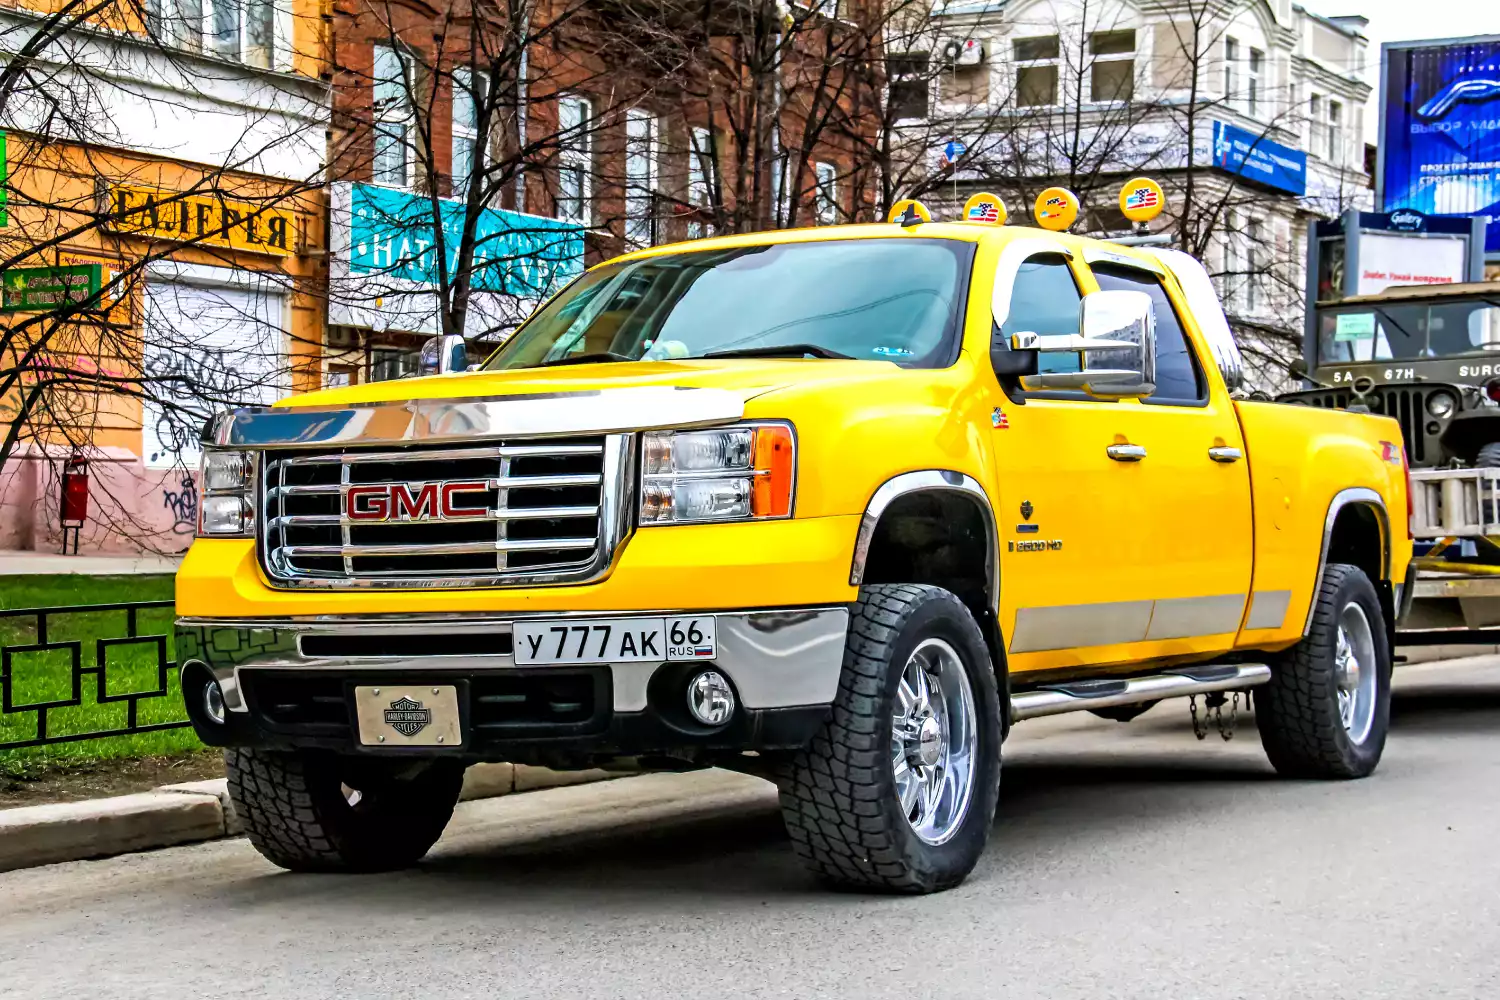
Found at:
[531, 511]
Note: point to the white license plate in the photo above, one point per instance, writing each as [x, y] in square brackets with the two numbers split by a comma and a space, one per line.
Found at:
[408, 715]
[615, 640]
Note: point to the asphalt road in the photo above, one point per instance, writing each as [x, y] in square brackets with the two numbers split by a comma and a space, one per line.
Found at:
[1128, 861]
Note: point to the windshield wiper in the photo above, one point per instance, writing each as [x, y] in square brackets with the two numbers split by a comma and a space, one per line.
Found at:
[780, 351]
[587, 359]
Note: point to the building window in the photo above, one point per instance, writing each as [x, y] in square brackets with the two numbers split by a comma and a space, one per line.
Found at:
[575, 159]
[701, 174]
[1231, 70]
[1036, 71]
[242, 30]
[387, 363]
[1112, 78]
[1254, 255]
[1253, 82]
[908, 85]
[641, 143]
[1335, 152]
[467, 86]
[392, 116]
[1230, 279]
[826, 197]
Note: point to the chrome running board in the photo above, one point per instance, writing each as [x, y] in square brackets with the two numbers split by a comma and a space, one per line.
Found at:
[1080, 696]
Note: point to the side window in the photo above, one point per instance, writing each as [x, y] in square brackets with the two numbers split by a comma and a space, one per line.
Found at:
[1178, 379]
[1045, 300]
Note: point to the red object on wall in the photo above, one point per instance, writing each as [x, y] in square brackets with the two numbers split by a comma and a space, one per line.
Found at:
[75, 490]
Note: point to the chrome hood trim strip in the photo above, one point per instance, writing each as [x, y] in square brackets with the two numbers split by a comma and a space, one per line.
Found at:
[438, 421]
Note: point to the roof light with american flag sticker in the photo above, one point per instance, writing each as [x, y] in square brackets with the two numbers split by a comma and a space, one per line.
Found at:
[985, 208]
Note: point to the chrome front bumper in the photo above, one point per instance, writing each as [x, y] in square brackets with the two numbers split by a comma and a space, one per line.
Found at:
[777, 658]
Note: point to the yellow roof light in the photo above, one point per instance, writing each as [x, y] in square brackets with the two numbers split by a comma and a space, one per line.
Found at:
[917, 212]
[1142, 199]
[985, 208]
[1056, 209]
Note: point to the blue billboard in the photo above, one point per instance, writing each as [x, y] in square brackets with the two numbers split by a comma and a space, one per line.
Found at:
[1440, 129]
[391, 235]
[1253, 157]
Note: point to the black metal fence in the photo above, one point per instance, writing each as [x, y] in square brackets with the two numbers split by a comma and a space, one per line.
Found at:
[36, 666]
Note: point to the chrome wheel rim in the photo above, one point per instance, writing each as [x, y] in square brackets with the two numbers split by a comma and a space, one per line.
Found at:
[1356, 671]
[934, 740]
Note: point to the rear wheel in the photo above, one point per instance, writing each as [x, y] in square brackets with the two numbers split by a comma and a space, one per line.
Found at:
[897, 791]
[317, 811]
[1326, 709]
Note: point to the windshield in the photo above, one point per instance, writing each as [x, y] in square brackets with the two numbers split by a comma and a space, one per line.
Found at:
[883, 300]
[1409, 331]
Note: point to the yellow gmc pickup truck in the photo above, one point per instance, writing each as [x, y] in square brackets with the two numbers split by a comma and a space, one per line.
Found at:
[836, 506]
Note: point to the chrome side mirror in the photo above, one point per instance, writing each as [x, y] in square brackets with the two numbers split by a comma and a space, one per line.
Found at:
[441, 355]
[1117, 349]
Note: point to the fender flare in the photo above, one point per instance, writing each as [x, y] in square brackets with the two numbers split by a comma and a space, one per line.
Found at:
[928, 481]
[1354, 496]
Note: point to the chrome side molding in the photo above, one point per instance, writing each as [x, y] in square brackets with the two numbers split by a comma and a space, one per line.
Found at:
[1057, 699]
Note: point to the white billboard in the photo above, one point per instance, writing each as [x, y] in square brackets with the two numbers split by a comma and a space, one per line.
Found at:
[1388, 259]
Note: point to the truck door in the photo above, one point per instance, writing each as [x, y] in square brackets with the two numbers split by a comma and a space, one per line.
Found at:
[1122, 538]
[1194, 540]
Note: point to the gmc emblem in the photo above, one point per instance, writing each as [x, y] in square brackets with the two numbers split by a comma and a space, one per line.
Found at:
[412, 501]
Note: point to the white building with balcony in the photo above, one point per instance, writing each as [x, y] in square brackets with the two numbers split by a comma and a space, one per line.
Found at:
[1250, 115]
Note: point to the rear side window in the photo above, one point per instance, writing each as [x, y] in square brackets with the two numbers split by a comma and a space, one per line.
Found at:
[1045, 300]
[1178, 378]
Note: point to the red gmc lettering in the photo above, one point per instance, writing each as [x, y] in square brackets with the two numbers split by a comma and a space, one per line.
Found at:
[412, 501]
[450, 490]
[405, 507]
[378, 508]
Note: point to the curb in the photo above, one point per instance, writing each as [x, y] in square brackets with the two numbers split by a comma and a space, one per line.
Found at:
[196, 811]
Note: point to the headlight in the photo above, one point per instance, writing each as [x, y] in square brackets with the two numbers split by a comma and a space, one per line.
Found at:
[734, 474]
[1440, 405]
[228, 506]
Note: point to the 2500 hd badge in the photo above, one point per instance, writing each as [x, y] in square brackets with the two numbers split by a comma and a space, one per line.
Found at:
[749, 502]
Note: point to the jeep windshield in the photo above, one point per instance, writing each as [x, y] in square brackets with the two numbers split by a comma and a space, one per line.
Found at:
[872, 299]
[1409, 331]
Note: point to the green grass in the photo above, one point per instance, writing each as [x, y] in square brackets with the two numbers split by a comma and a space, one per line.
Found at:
[46, 675]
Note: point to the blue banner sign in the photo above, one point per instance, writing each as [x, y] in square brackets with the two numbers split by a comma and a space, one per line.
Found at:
[1257, 159]
[391, 234]
[1440, 151]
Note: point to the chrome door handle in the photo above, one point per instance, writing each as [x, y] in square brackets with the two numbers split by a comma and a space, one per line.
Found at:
[1225, 454]
[1126, 452]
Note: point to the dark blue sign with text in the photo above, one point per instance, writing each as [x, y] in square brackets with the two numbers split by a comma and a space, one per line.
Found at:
[1441, 148]
[1255, 158]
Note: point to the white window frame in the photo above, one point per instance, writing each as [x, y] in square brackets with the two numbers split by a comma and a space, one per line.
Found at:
[192, 25]
[825, 193]
[399, 115]
[1255, 233]
[1254, 76]
[1335, 152]
[1231, 70]
[575, 155]
[463, 78]
[642, 169]
[1019, 64]
[703, 168]
[1116, 57]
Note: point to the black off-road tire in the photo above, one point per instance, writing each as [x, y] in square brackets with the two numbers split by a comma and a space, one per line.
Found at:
[838, 795]
[1297, 711]
[298, 815]
[1488, 457]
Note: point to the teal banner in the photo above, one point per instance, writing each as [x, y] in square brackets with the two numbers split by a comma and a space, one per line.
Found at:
[392, 235]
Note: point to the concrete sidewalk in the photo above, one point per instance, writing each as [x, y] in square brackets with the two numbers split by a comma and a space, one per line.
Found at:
[17, 563]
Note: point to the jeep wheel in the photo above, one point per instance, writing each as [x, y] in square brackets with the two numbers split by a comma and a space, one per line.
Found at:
[1326, 709]
[897, 791]
[1488, 457]
[312, 811]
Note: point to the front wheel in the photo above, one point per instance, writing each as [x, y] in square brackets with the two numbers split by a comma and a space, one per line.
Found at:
[897, 791]
[316, 811]
[1326, 709]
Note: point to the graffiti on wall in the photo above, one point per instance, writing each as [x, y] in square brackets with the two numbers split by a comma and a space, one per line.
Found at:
[183, 504]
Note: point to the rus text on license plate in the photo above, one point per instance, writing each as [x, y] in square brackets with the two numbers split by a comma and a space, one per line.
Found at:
[615, 640]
